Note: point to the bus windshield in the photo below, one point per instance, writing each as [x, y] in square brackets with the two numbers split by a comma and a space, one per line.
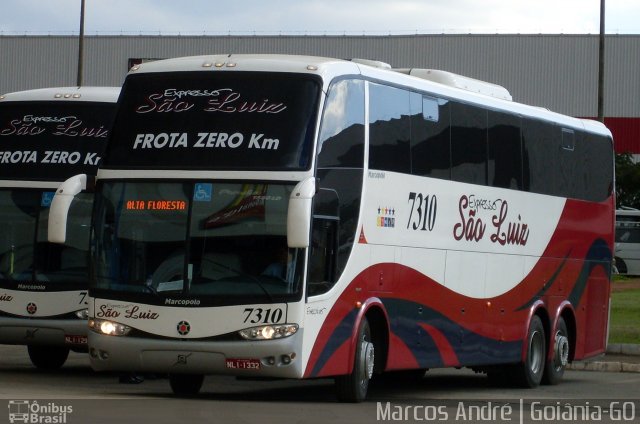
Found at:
[215, 121]
[222, 242]
[22, 261]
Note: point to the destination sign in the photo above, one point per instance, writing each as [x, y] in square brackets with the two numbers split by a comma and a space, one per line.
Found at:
[215, 120]
[52, 141]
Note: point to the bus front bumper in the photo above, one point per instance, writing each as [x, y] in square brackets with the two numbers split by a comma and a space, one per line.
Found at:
[47, 332]
[279, 358]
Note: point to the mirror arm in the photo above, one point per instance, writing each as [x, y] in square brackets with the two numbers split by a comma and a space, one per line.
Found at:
[61, 203]
[299, 213]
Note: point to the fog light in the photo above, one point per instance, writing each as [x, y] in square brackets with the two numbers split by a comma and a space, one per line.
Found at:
[286, 359]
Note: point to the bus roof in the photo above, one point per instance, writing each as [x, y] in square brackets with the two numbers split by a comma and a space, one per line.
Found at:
[76, 94]
[437, 82]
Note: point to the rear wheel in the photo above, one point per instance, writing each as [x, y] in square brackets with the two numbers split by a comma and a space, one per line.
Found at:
[620, 266]
[353, 387]
[529, 373]
[48, 357]
[186, 384]
[554, 369]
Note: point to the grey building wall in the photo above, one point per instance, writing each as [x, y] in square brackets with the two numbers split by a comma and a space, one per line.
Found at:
[558, 72]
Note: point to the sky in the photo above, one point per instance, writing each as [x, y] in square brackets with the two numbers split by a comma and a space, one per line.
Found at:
[313, 17]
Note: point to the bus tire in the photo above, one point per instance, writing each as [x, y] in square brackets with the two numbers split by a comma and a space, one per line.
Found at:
[554, 369]
[353, 387]
[47, 357]
[620, 267]
[186, 384]
[529, 373]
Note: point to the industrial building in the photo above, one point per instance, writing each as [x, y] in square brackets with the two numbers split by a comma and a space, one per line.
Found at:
[558, 72]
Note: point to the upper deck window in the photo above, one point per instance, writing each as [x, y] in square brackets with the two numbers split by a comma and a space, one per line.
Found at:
[215, 120]
[51, 141]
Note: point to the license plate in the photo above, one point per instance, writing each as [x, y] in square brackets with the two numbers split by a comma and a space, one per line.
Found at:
[243, 364]
[76, 340]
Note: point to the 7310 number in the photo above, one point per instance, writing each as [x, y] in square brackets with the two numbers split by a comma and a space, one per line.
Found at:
[424, 209]
[263, 316]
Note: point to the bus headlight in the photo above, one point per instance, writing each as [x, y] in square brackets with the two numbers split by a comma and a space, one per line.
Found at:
[269, 332]
[83, 313]
[109, 328]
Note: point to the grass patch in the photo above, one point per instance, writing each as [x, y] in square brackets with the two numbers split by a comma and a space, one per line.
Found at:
[625, 317]
[620, 278]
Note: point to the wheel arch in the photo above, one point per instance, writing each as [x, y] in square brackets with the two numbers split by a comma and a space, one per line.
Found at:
[379, 325]
[567, 313]
[375, 313]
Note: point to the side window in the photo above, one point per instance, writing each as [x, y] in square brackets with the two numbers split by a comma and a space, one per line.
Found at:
[339, 173]
[468, 144]
[540, 157]
[323, 255]
[341, 141]
[598, 166]
[430, 138]
[505, 151]
[389, 128]
[572, 180]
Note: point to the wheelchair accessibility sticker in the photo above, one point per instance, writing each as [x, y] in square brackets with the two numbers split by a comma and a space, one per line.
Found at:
[202, 192]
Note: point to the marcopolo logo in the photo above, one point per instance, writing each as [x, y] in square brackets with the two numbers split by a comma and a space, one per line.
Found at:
[27, 411]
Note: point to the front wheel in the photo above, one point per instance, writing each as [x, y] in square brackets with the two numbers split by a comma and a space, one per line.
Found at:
[529, 373]
[554, 370]
[186, 384]
[47, 357]
[353, 387]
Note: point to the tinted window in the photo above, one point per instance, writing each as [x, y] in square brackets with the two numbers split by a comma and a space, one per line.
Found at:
[52, 141]
[598, 151]
[389, 129]
[572, 169]
[627, 235]
[468, 144]
[341, 141]
[541, 157]
[215, 120]
[505, 151]
[430, 137]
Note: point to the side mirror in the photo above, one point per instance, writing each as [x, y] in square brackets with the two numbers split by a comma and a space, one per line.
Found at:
[59, 210]
[299, 213]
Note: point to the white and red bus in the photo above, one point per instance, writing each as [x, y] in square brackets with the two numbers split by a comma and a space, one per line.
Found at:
[46, 136]
[304, 217]
[627, 247]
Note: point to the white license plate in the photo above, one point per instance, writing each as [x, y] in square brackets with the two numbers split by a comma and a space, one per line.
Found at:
[75, 340]
[243, 364]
